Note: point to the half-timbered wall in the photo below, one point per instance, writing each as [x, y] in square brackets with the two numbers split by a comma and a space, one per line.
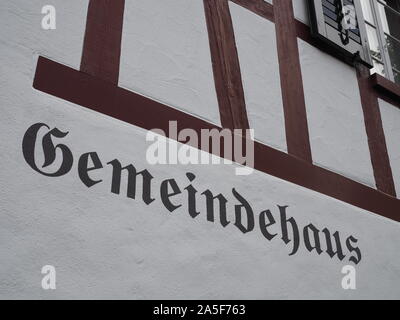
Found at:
[326, 146]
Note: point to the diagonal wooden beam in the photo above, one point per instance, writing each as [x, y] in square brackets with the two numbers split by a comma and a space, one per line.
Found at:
[226, 67]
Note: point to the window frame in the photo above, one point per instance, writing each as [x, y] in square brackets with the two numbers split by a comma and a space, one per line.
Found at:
[381, 35]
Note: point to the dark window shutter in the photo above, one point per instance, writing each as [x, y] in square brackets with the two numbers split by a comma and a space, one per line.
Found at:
[339, 25]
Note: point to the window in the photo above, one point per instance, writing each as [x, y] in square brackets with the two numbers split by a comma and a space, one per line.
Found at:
[339, 26]
[383, 29]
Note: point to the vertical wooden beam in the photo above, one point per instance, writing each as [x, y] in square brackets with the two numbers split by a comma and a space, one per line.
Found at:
[226, 67]
[297, 136]
[102, 44]
[376, 136]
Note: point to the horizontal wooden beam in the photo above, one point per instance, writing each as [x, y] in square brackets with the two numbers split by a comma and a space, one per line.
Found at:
[98, 95]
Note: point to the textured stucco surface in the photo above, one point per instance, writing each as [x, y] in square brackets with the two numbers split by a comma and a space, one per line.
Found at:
[22, 35]
[166, 55]
[335, 116]
[391, 126]
[255, 40]
[301, 13]
[108, 246]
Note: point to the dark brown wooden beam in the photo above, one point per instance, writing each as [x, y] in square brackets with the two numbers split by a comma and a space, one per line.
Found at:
[102, 44]
[376, 136]
[387, 89]
[107, 98]
[226, 67]
[297, 136]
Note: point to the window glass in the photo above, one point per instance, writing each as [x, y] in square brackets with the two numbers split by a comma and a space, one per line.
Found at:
[390, 20]
[393, 47]
[396, 76]
[394, 4]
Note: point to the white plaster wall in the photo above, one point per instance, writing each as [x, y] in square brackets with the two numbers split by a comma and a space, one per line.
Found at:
[166, 55]
[300, 8]
[391, 126]
[109, 246]
[21, 31]
[256, 43]
[335, 117]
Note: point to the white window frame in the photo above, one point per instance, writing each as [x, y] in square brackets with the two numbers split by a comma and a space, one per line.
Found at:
[381, 38]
